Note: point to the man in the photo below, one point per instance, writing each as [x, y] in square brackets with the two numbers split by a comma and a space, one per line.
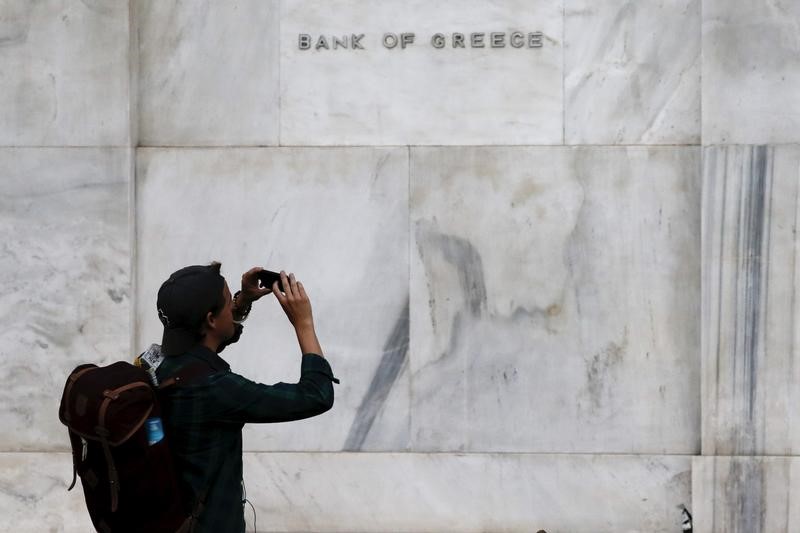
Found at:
[204, 418]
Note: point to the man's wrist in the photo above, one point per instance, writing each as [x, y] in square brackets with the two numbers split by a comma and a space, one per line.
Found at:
[241, 306]
[304, 327]
[307, 338]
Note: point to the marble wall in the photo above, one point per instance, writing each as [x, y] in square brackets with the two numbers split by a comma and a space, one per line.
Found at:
[557, 282]
[65, 279]
[421, 95]
[751, 174]
[751, 72]
[632, 72]
[65, 71]
[519, 255]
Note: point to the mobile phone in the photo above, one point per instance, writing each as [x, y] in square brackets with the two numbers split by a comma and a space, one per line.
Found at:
[267, 278]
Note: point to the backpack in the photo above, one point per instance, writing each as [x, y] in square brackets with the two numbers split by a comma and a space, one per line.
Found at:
[119, 450]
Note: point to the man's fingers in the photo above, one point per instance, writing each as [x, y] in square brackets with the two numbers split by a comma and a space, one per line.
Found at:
[251, 273]
[287, 288]
[277, 290]
[293, 288]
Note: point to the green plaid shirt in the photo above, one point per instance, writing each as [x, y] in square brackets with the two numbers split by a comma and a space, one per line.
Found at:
[203, 421]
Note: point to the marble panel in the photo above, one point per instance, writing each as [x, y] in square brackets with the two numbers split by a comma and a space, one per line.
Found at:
[746, 494]
[64, 73]
[208, 72]
[750, 314]
[34, 496]
[377, 492]
[751, 71]
[632, 72]
[554, 299]
[64, 280]
[368, 492]
[338, 218]
[420, 94]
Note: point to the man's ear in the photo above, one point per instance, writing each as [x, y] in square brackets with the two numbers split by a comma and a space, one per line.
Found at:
[209, 322]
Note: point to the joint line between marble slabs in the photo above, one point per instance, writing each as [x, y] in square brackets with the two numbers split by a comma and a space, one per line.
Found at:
[460, 453]
[239, 146]
[559, 454]
[455, 453]
[701, 73]
[409, 439]
[132, 252]
[563, 72]
[134, 68]
[726, 145]
[280, 87]
[71, 146]
[554, 145]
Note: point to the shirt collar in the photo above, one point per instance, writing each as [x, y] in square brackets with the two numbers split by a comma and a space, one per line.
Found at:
[216, 362]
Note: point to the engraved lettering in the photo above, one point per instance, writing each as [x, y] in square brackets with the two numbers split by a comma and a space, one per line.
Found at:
[355, 41]
[498, 40]
[535, 39]
[389, 40]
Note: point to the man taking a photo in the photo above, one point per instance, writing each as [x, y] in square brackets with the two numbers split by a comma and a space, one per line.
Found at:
[204, 418]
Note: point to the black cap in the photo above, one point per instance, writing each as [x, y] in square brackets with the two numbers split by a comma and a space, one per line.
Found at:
[184, 300]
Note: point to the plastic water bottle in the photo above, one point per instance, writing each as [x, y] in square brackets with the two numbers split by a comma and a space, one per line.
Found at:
[155, 430]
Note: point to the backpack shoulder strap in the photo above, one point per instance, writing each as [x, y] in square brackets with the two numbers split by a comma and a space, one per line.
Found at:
[188, 374]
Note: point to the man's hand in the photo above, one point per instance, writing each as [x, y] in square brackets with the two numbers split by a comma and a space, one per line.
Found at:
[250, 290]
[297, 306]
[295, 302]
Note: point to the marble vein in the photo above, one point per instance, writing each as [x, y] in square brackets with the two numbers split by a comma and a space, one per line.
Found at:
[749, 299]
[395, 357]
[745, 494]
